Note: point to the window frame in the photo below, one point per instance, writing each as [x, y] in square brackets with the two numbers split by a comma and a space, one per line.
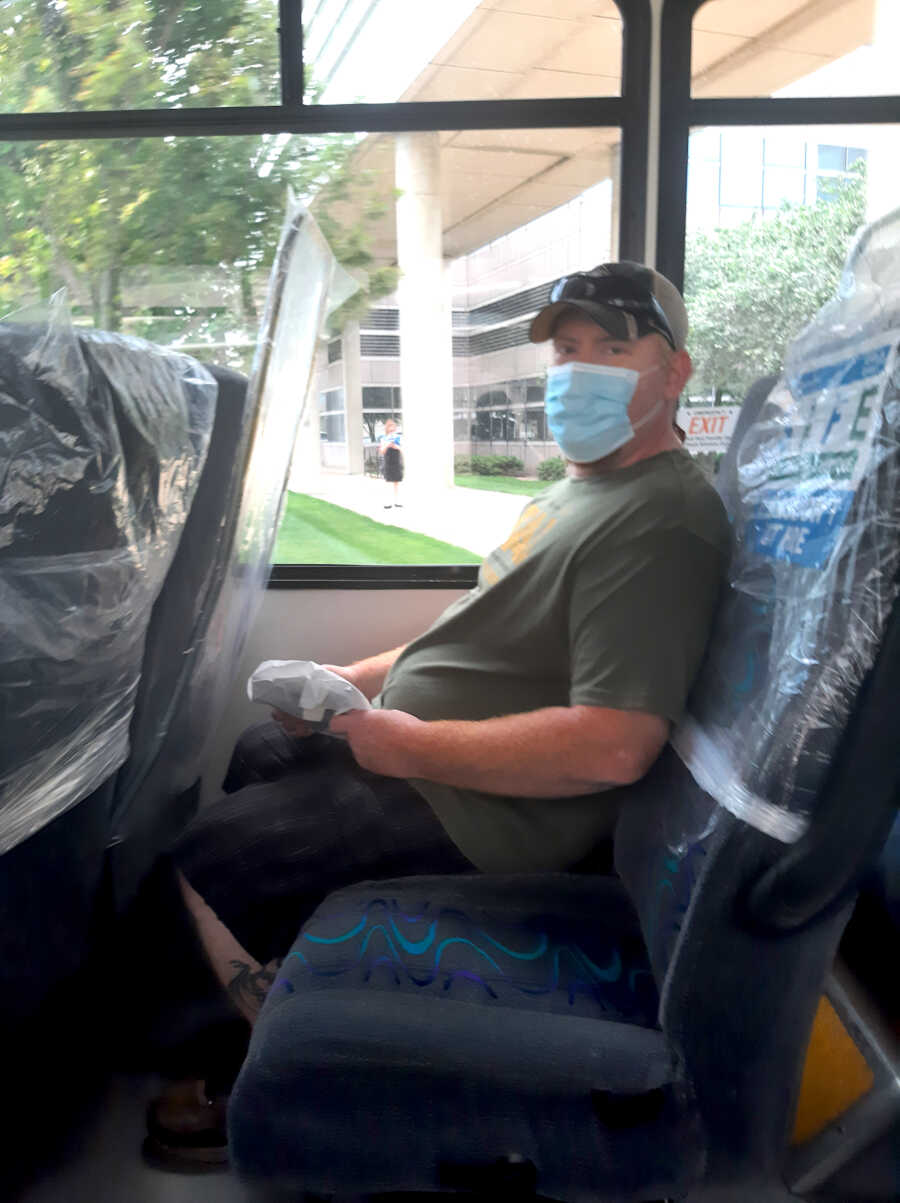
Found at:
[629, 111]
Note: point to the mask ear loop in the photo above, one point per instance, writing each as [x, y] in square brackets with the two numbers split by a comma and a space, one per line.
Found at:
[648, 417]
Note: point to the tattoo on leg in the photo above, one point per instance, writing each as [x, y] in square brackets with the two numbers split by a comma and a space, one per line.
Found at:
[249, 987]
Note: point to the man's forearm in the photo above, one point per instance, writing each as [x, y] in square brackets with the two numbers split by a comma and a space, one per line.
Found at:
[557, 752]
[368, 675]
[546, 753]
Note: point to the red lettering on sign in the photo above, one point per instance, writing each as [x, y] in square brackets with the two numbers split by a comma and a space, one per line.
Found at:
[709, 424]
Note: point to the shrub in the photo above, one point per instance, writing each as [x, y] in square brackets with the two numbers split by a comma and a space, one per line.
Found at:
[509, 465]
[552, 469]
[462, 465]
[497, 465]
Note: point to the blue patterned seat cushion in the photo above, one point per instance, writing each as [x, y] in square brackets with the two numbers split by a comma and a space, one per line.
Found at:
[423, 1022]
[550, 943]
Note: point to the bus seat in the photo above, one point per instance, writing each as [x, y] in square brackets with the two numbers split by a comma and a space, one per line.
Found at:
[155, 541]
[104, 440]
[587, 1038]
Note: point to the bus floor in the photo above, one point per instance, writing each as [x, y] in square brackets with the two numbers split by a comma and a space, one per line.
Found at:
[103, 1163]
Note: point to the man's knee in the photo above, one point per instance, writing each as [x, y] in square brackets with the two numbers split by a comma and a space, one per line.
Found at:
[263, 752]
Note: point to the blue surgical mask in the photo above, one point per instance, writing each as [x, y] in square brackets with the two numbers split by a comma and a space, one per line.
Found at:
[587, 409]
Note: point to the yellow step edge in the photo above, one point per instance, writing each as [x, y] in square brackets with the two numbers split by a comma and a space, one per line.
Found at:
[835, 1076]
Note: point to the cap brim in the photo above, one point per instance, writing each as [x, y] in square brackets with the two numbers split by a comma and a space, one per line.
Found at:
[614, 321]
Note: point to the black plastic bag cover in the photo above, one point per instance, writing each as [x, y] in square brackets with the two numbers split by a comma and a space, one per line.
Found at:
[102, 441]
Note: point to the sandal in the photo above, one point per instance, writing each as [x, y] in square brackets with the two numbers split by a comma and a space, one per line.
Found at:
[186, 1129]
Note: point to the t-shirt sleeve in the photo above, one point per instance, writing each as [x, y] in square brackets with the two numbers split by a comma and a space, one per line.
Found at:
[639, 619]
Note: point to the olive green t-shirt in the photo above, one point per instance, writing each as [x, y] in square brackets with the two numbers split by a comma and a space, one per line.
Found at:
[603, 595]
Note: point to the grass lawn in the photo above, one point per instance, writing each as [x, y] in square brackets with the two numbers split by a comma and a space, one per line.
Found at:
[315, 532]
[502, 484]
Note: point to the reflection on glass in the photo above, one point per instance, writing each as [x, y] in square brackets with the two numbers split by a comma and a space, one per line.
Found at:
[137, 54]
[460, 50]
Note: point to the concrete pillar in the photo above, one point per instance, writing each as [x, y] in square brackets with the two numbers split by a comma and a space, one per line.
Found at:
[353, 397]
[883, 191]
[426, 359]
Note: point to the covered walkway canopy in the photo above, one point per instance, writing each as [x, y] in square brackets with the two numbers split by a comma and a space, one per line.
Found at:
[493, 182]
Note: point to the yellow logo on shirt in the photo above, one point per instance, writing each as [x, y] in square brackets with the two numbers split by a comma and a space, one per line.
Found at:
[533, 523]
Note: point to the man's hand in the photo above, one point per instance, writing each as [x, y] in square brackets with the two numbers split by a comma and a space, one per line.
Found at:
[297, 727]
[382, 741]
[355, 674]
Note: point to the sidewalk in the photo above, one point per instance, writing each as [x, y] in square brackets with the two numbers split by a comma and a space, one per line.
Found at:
[474, 519]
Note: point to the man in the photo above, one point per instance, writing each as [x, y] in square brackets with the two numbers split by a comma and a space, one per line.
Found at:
[501, 739]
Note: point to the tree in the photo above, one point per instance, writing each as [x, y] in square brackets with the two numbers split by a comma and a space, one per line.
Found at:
[83, 213]
[752, 287]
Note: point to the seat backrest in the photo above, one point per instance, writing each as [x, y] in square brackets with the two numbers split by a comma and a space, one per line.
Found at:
[743, 849]
[811, 486]
[103, 442]
[152, 795]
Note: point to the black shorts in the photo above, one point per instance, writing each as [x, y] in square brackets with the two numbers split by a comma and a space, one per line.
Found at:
[300, 819]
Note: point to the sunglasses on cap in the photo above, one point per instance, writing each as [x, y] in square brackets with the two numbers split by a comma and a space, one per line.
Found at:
[615, 293]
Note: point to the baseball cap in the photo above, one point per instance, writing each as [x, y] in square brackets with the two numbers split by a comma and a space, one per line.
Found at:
[628, 299]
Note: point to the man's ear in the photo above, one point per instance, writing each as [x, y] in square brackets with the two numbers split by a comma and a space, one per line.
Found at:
[678, 374]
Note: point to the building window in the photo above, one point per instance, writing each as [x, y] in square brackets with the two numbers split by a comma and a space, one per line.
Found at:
[332, 417]
[379, 402]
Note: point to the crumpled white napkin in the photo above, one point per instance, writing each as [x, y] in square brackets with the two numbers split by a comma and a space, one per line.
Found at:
[304, 689]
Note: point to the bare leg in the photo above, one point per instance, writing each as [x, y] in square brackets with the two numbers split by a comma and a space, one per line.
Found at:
[186, 1124]
[244, 980]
